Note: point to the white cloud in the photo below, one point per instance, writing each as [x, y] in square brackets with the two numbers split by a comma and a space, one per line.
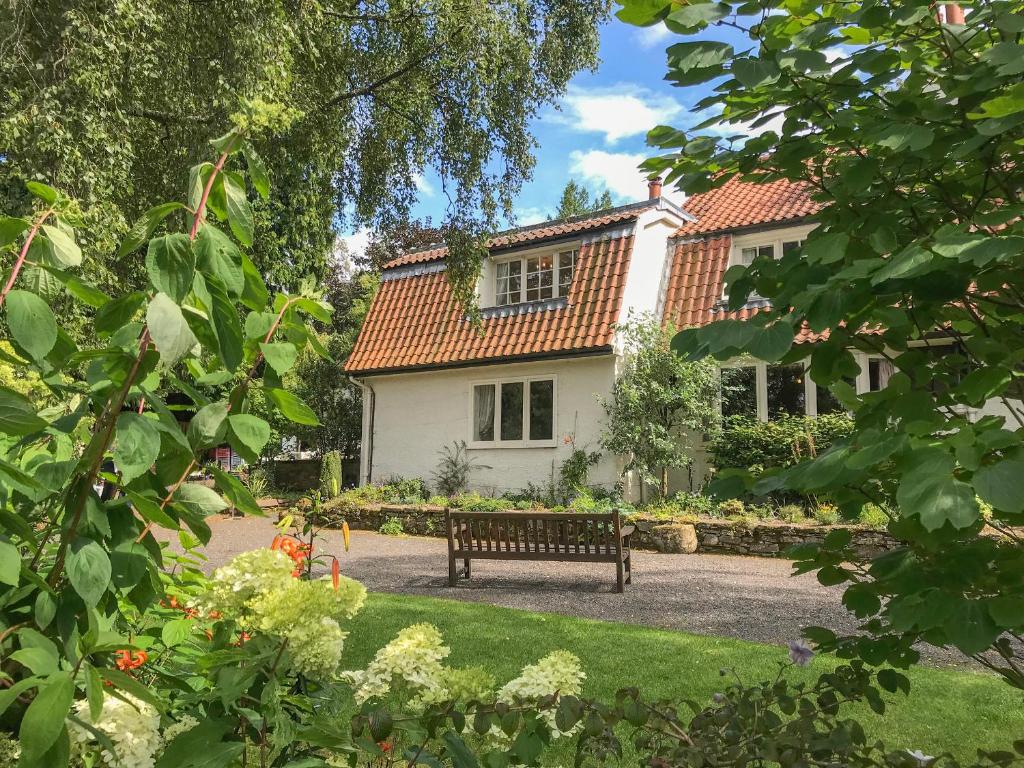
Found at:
[615, 171]
[652, 37]
[531, 215]
[616, 111]
[424, 185]
[355, 243]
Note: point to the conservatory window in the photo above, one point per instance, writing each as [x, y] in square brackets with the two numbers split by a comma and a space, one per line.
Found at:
[513, 413]
[739, 391]
[786, 391]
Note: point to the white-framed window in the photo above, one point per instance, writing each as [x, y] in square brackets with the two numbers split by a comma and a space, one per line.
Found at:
[513, 413]
[769, 391]
[773, 244]
[534, 276]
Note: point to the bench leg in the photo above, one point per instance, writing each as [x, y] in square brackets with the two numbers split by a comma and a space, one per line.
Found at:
[620, 586]
[469, 569]
[629, 569]
[452, 575]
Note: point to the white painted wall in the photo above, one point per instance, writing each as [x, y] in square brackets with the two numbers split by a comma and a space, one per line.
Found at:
[418, 413]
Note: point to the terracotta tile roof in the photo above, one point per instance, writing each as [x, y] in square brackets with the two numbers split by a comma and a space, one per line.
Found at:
[414, 321]
[536, 232]
[738, 204]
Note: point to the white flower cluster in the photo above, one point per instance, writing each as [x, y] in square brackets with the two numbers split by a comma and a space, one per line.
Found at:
[175, 729]
[247, 576]
[413, 657]
[257, 589]
[559, 672]
[133, 727]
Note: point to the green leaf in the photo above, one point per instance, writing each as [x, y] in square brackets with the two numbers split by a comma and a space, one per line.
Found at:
[236, 492]
[117, 313]
[169, 329]
[136, 447]
[826, 248]
[176, 631]
[218, 256]
[753, 73]
[771, 343]
[1001, 485]
[93, 691]
[199, 500]
[254, 295]
[171, 265]
[31, 323]
[88, 569]
[223, 321]
[907, 263]
[41, 191]
[11, 228]
[315, 309]
[37, 652]
[62, 247]
[690, 18]
[248, 434]
[239, 211]
[970, 627]
[151, 511]
[43, 722]
[257, 171]
[899, 137]
[208, 427]
[930, 492]
[291, 407]
[129, 684]
[460, 754]
[10, 563]
[17, 414]
[144, 227]
[280, 355]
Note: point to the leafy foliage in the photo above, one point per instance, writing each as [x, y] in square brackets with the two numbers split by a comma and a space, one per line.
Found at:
[576, 201]
[907, 127]
[660, 406]
[330, 475]
[454, 469]
[745, 442]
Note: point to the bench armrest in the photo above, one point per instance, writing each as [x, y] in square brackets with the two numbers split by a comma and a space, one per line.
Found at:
[626, 531]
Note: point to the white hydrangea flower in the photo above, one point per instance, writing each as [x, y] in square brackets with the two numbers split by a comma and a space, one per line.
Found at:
[414, 657]
[133, 727]
[308, 615]
[246, 577]
[559, 672]
[175, 729]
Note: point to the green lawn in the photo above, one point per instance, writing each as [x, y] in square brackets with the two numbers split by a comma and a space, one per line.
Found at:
[947, 710]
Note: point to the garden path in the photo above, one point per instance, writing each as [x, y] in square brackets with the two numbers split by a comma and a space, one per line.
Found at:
[750, 598]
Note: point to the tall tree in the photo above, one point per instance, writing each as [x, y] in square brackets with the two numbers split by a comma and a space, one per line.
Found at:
[576, 201]
[905, 120]
[109, 100]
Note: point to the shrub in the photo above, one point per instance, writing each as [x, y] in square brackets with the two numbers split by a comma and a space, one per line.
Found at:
[474, 502]
[392, 527]
[873, 516]
[452, 475]
[330, 475]
[826, 514]
[792, 513]
[576, 468]
[258, 482]
[730, 508]
[744, 442]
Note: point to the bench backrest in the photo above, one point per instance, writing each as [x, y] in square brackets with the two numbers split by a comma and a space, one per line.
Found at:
[539, 533]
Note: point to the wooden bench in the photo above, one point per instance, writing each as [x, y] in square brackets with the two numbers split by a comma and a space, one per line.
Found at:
[581, 538]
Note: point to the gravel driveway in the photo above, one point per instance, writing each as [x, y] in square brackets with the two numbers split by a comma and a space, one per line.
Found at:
[751, 598]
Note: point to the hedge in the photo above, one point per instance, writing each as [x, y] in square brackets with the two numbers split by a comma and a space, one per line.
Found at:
[745, 442]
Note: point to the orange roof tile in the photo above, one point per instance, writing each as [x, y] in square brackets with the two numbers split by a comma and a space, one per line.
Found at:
[739, 204]
[415, 322]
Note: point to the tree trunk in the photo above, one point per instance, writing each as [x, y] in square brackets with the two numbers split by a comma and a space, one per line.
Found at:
[664, 482]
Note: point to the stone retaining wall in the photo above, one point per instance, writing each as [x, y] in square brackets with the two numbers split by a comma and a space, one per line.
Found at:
[767, 539]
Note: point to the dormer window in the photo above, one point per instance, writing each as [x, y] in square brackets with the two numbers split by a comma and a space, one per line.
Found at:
[535, 277]
[771, 244]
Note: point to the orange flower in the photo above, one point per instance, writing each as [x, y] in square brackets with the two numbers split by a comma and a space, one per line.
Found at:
[384, 746]
[214, 615]
[345, 534]
[336, 573]
[127, 659]
[208, 633]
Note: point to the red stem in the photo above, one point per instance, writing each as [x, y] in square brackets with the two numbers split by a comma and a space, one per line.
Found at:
[21, 256]
[201, 208]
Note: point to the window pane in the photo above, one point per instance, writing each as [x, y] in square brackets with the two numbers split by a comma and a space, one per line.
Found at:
[483, 412]
[766, 251]
[507, 282]
[791, 245]
[748, 255]
[828, 403]
[566, 269]
[785, 390]
[739, 392]
[539, 278]
[879, 372]
[542, 409]
[512, 411]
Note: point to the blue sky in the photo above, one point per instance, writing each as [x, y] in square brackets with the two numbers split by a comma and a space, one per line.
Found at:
[597, 137]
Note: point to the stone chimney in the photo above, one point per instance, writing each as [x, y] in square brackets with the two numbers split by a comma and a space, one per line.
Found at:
[654, 188]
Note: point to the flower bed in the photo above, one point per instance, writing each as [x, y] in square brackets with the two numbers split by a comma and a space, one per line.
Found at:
[734, 537]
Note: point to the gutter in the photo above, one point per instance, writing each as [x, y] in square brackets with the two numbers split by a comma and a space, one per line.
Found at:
[369, 433]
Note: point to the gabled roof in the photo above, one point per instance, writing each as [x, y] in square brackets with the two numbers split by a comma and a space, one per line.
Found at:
[415, 321]
[700, 256]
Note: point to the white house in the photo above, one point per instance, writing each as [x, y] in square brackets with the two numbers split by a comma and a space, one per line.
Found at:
[531, 376]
